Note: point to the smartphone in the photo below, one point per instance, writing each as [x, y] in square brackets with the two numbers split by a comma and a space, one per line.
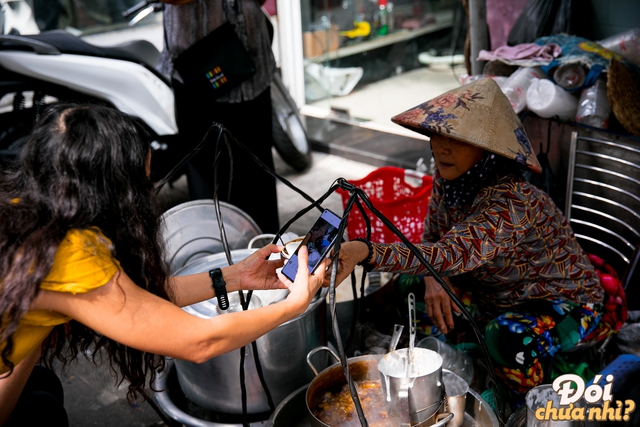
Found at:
[318, 241]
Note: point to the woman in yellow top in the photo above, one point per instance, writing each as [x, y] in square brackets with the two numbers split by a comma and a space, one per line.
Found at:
[81, 264]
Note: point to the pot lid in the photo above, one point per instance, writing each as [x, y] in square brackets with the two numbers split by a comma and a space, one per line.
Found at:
[208, 308]
[191, 231]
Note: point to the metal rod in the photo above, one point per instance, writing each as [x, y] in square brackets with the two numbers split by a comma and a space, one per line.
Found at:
[478, 33]
[570, 173]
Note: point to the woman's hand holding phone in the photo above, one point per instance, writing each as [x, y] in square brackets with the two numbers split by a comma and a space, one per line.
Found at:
[318, 241]
[306, 285]
[258, 270]
[351, 253]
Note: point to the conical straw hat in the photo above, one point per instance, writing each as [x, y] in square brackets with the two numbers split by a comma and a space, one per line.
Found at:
[477, 113]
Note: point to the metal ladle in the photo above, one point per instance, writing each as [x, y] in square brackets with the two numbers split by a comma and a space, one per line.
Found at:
[412, 329]
[397, 331]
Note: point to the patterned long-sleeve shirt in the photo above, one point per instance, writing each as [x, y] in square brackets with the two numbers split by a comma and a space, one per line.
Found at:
[512, 240]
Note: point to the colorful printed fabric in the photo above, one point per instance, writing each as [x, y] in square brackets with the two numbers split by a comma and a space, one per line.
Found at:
[521, 343]
[581, 51]
[512, 242]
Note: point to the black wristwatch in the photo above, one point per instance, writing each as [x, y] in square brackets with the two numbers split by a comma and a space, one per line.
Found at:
[220, 286]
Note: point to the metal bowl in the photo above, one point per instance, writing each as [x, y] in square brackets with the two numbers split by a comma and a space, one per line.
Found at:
[191, 231]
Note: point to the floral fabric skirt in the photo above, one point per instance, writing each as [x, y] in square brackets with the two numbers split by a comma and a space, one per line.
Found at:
[521, 342]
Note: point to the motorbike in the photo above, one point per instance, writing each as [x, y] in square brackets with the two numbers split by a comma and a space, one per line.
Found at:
[55, 65]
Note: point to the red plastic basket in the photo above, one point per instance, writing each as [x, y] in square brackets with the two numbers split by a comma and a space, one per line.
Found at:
[402, 196]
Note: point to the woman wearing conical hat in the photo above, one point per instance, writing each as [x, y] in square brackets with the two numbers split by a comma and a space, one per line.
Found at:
[490, 232]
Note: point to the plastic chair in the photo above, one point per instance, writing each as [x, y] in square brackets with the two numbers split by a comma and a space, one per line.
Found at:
[603, 201]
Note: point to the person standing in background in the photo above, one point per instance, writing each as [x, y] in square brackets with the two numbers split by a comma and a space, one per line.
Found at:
[246, 111]
[48, 14]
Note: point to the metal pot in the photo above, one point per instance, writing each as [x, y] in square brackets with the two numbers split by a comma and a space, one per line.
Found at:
[191, 231]
[415, 392]
[292, 412]
[361, 368]
[215, 384]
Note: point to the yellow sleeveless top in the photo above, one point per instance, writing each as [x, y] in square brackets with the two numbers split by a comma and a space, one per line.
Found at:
[82, 262]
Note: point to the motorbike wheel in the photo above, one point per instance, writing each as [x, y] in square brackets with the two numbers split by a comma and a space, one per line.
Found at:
[289, 135]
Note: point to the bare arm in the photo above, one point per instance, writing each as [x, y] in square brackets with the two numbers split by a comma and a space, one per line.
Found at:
[11, 386]
[252, 273]
[132, 316]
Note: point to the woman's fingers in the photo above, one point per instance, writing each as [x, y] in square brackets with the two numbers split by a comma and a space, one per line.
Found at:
[438, 317]
[447, 314]
[438, 305]
[455, 307]
[306, 285]
[303, 263]
[257, 271]
[348, 258]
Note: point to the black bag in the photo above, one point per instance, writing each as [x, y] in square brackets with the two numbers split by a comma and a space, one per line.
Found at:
[540, 18]
[216, 63]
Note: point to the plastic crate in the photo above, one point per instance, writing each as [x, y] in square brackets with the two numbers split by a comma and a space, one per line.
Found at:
[401, 195]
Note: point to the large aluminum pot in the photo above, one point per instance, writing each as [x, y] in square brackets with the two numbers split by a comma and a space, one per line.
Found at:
[215, 384]
[191, 231]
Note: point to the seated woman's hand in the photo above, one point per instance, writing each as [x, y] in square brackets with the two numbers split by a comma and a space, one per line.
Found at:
[438, 304]
[351, 253]
[305, 286]
[257, 272]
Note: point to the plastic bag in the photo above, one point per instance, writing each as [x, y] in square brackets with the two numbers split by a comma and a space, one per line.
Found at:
[541, 18]
[578, 51]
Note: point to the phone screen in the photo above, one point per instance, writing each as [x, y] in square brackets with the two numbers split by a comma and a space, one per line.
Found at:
[318, 241]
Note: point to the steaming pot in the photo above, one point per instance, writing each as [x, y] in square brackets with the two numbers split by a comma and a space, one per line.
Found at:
[325, 398]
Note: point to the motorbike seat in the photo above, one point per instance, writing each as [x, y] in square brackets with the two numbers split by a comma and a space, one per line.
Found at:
[140, 51]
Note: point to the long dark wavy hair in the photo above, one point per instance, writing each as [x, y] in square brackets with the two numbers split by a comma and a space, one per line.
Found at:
[82, 167]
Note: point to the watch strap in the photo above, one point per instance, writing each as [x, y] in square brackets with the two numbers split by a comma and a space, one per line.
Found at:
[220, 286]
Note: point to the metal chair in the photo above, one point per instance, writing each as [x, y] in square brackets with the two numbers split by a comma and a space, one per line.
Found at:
[603, 200]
